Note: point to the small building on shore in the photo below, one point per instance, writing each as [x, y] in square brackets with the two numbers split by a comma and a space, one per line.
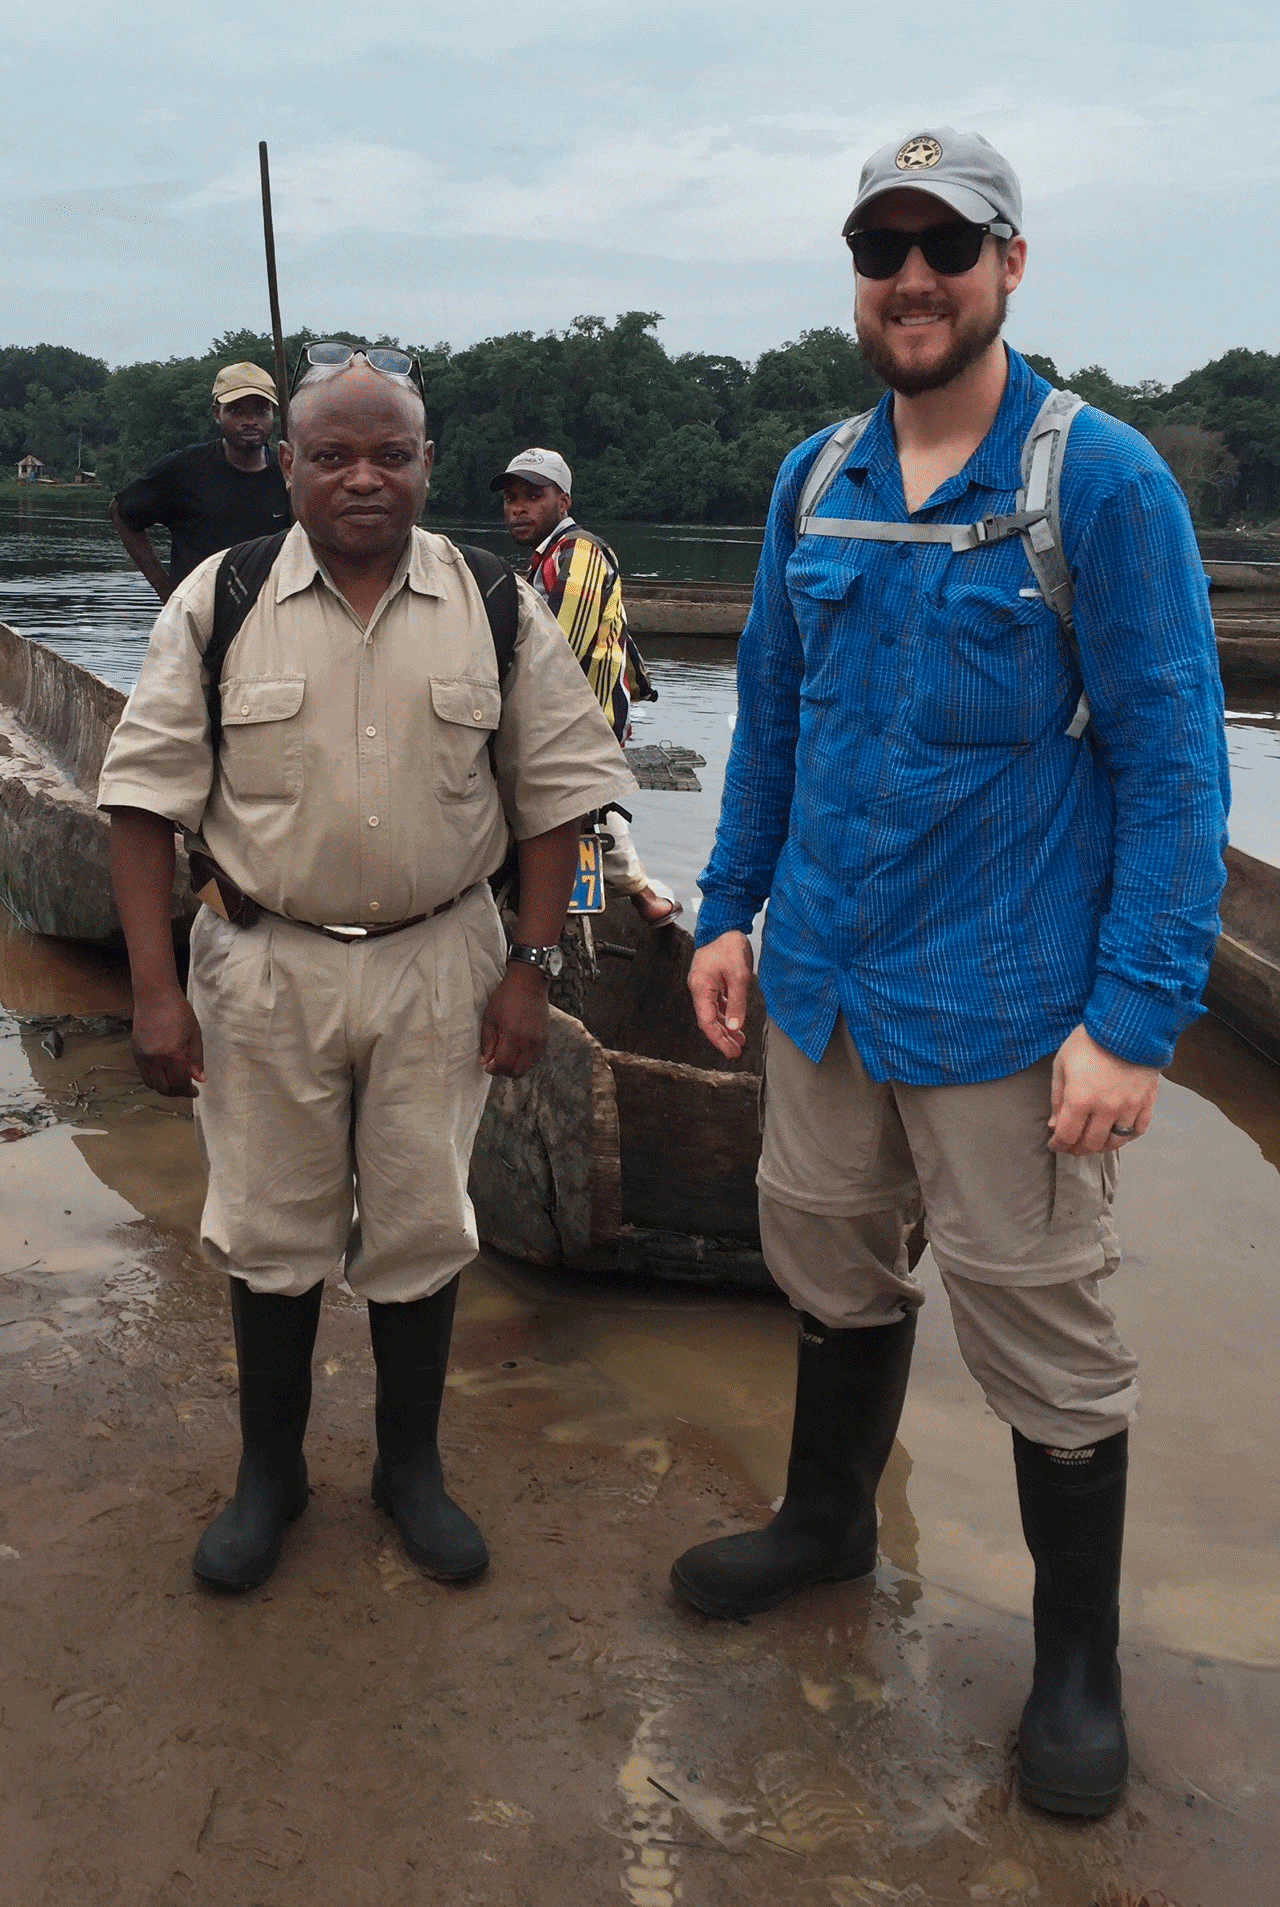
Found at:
[29, 469]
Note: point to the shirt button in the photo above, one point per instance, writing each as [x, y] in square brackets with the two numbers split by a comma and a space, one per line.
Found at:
[862, 809]
[245, 709]
[371, 731]
[889, 641]
[476, 715]
[373, 820]
[903, 551]
[373, 907]
[876, 728]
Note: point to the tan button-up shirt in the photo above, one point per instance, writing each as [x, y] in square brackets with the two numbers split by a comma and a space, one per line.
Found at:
[353, 782]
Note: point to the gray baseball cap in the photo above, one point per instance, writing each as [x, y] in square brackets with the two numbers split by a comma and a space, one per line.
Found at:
[538, 466]
[960, 168]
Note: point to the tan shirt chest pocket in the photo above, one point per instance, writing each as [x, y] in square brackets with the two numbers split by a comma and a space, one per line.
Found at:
[261, 755]
[466, 714]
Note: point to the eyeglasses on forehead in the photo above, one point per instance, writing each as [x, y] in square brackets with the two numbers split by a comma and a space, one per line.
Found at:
[950, 249]
[330, 354]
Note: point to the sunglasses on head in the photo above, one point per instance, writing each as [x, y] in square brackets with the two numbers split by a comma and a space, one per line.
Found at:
[332, 353]
[949, 249]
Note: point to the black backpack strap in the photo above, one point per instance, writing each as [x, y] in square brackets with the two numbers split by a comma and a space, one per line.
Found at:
[497, 585]
[237, 587]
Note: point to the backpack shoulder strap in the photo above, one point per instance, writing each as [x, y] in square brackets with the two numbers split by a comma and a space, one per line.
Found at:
[821, 472]
[497, 585]
[1041, 469]
[241, 574]
[1039, 499]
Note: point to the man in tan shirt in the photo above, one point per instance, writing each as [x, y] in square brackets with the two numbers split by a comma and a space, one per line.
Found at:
[343, 1044]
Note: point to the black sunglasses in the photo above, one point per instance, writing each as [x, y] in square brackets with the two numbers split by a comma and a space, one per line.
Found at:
[332, 353]
[949, 249]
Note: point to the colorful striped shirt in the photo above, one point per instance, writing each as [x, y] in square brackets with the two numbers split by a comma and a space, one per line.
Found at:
[944, 865]
[579, 576]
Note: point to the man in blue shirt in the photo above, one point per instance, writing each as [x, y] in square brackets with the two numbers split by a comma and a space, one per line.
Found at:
[988, 922]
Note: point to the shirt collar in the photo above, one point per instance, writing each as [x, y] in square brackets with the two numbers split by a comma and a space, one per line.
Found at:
[565, 523]
[876, 453]
[299, 566]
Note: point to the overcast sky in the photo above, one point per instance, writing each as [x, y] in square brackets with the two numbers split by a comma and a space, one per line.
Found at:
[451, 173]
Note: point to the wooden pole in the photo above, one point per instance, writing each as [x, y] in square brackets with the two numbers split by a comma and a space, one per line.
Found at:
[273, 290]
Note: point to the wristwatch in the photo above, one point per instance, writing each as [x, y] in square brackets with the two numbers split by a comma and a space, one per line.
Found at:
[548, 960]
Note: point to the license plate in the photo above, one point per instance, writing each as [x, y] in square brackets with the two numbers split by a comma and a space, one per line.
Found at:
[588, 895]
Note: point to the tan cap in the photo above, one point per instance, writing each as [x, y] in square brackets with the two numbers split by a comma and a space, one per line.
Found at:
[243, 380]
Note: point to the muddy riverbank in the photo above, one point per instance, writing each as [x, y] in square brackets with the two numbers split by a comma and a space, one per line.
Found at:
[564, 1731]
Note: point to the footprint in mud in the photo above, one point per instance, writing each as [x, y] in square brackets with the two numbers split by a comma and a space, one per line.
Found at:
[809, 1813]
[257, 1828]
[84, 1706]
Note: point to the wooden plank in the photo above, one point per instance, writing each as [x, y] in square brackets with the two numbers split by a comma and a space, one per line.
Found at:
[545, 1176]
[690, 1144]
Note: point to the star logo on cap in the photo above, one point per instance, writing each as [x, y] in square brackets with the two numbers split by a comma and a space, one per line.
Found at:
[918, 154]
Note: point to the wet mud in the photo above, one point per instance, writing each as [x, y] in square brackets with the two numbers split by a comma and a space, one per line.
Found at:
[565, 1731]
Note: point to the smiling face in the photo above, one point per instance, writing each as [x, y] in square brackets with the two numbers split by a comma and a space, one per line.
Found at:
[920, 330]
[532, 510]
[357, 463]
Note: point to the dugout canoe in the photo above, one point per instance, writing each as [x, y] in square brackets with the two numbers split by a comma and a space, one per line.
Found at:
[1244, 598]
[632, 1148]
[55, 722]
[1244, 980]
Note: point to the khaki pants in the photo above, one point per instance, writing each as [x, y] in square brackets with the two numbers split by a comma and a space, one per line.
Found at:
[342, 1075]
[1021, 1235]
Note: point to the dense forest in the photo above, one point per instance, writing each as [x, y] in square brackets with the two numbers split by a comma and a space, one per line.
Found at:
[693, 438]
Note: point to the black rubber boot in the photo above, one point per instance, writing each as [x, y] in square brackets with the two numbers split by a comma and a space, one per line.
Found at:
[274, 1340]
[850, 1387]
[411, 1350]
[1072, 1752]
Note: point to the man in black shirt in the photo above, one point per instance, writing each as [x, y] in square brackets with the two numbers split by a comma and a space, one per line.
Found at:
[214, 494]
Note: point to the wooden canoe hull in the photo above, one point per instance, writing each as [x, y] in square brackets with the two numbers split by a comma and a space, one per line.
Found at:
[623, 1151]
[55, 722]
[1243, 989]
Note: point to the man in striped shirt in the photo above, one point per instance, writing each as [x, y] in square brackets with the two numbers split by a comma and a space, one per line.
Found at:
[578, 575]
[988, 923]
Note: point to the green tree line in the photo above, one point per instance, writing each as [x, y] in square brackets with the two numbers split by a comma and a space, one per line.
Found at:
[692, 438]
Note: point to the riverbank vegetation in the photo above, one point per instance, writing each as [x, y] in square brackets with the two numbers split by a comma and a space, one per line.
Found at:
[695, 438]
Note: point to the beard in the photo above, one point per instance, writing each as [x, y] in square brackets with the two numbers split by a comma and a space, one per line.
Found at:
[973, 336]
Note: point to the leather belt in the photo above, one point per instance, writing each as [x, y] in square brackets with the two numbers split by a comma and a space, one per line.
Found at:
[220, 893]
[383, 928]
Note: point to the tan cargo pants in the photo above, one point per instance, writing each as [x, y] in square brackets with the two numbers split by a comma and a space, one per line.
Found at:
[342, 1077]
[1020, 1235]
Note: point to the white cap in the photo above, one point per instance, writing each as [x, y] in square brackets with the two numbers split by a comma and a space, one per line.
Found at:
[540, 467]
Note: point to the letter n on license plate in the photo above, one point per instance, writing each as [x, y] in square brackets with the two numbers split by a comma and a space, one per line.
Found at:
[588, 895]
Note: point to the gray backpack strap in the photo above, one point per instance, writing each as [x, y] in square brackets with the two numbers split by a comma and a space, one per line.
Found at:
[822, 470]
[1042, 454]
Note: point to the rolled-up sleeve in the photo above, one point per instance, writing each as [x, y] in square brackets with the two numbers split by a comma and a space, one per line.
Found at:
[159, 757]
[556, 755]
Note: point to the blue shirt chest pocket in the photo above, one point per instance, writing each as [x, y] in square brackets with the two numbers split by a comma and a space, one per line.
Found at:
[991, 666]
[826, 585]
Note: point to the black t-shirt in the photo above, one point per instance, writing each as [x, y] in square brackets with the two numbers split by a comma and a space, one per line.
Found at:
[205, 503]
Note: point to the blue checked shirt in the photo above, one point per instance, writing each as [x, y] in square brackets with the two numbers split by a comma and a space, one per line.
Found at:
[943, 864]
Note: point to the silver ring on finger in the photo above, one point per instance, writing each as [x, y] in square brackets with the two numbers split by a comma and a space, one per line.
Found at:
[1124, 1132]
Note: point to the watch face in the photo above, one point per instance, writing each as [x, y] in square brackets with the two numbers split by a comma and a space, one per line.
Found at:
[555, 962]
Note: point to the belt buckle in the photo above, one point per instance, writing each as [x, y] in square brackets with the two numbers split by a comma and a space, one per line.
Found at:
[345, 933]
